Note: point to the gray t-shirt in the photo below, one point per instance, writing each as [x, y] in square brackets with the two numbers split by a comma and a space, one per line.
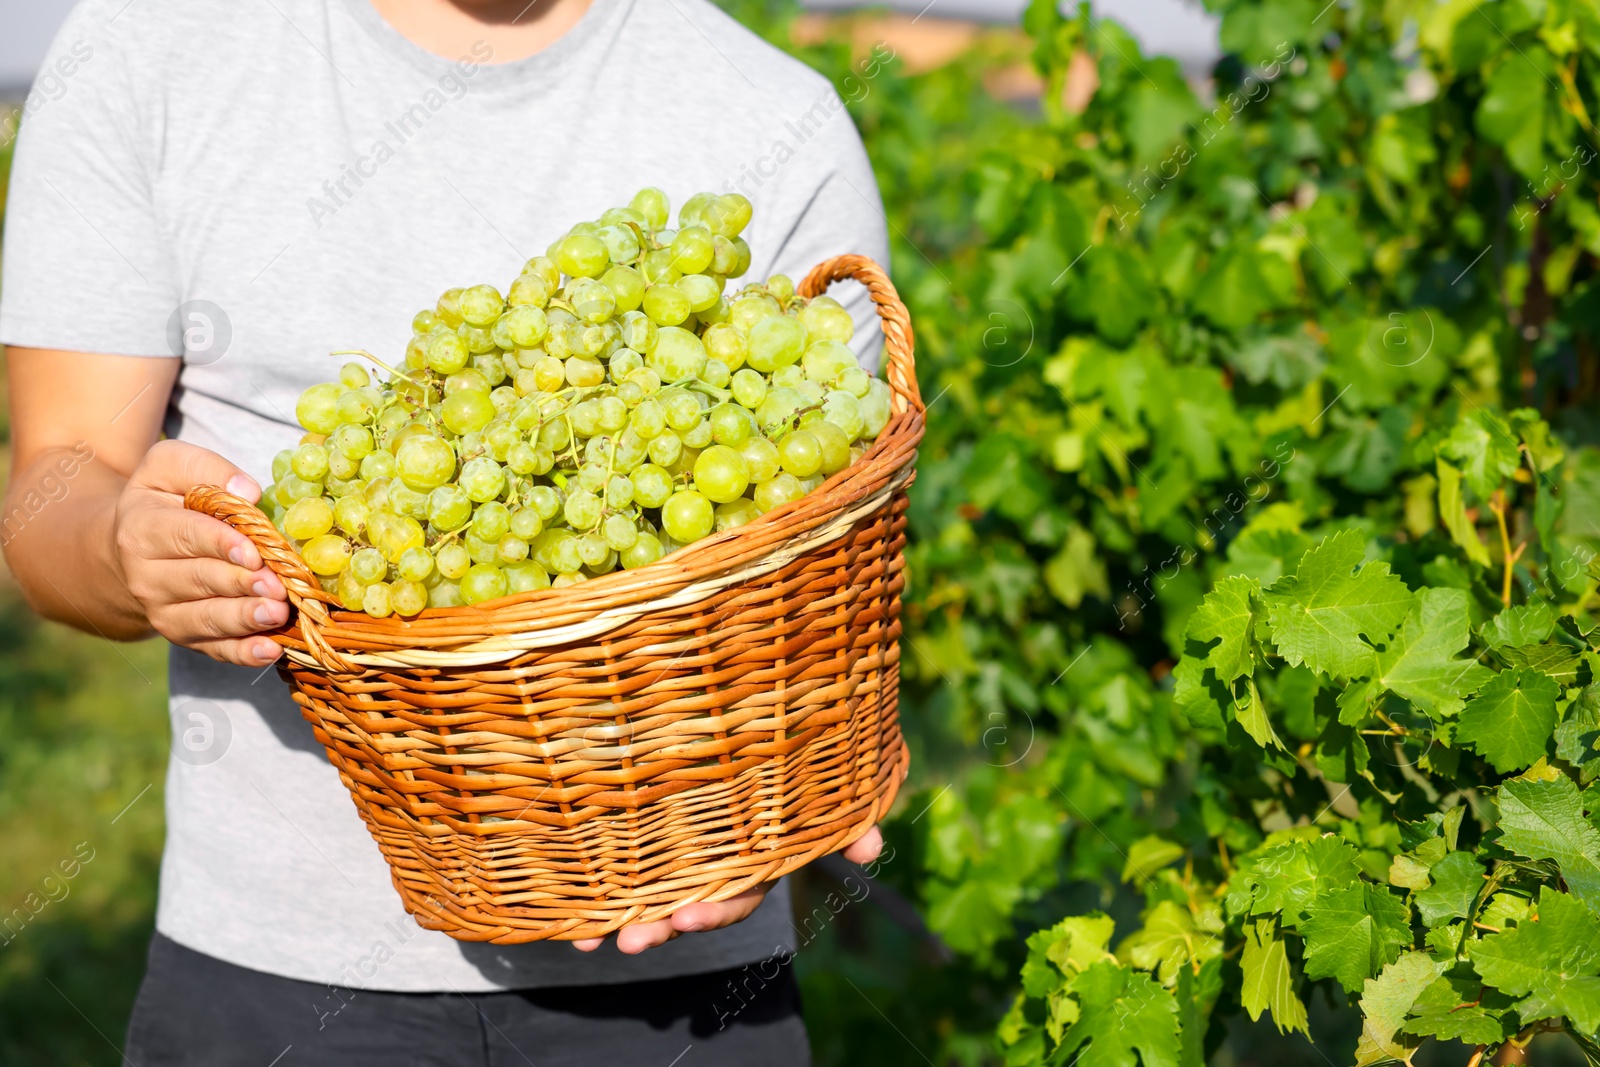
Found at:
[256, 184]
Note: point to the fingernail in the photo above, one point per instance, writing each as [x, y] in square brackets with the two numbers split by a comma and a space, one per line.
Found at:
[245, 486]
[236, 555]
[691, 928]
[266, 651]
[259, 588]
[266, 615]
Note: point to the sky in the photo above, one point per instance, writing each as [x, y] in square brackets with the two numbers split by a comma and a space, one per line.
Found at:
[1178, 28]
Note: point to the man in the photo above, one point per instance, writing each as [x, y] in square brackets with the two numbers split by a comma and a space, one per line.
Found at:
[249, 186]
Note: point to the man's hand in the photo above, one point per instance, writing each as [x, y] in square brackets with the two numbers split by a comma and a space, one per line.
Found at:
[200, 582]
[698, 917]
[93, 522]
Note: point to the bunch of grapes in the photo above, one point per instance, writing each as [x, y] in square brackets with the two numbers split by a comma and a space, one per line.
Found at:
[612, 407]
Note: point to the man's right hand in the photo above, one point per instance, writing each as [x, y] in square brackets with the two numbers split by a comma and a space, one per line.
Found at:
[94, 524]
[200, 582]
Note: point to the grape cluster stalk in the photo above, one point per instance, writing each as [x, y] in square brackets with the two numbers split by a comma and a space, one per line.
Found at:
[613, 406]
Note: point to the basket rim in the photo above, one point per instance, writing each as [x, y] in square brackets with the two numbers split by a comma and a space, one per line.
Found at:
[320, 635]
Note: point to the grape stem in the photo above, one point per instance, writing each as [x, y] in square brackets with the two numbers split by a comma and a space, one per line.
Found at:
[398, 374]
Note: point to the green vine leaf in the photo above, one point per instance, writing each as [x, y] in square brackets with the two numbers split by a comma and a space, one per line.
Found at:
[1421, 664]
[1543, 820]
[1269, 979]
[1509, 721]
[1320, 613]
[1554, 962]
[1121, 1012]
[1386, 1001]
[1351, 933]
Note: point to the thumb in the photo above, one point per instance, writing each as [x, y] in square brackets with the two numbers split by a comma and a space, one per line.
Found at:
[177, 467]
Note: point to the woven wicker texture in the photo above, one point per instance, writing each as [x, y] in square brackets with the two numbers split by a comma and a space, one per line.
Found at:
[557, 764]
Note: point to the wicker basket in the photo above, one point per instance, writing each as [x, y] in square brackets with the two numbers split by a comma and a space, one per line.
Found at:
[559, 763]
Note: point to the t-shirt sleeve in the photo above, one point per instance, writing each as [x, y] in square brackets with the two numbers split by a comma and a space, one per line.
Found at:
[840, 212]
[86, 261]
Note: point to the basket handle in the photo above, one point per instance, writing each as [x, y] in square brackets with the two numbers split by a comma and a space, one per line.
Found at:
[305, 593]
[902, 367]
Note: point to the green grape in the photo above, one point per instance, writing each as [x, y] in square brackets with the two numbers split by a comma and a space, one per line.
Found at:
[855, 381]
[781, 288]
[692, 213]
[353, 442]
[648, 419]
[283, 462]
[424, 462]
[678, 355]
[790, 377]
[585, 418]
[622, 364]
[337, 487]
[376, 464]
[478, 340]
[404, 501]
[423, 321]
[749, 387]
[482, 478]
[447, 353]
[491, 521]
[593, 550]
[349, 590]
[326, 554]
[583, 509]
[824, 361]
[639, 332]
[698, 435]
[466, 410]
[593, 301]
[811, 396]
[731, 424]
[825, 320]
[295, 488]
[665, 448]
[687, 516]
[778, 407]
[722, 474]
[630, 451]
[648, 381]
[730, 214]
[716, 374]
[619, 491]
[529, 290]
[762, 457]
[800, 453]
[318, 407]
[582, 256]
[526, 325]
[613, 414]
[479, 550]
[657, 266]
[414, 564]
[350, 515]
[367, 565]
[736, 513]
[621, 243]
[359, 405]
[653, 205]
[701, 290]
[448, 310]
[645, 550]
[750, 308]
[844, 411]
[354, 376]
[396, 535]
[545, 502]
[784, 489]
[511, 549]
[555, 435]
[778, 341]
[724, 342]
[545, 268]
[626, 285]
[484, 581]
[481, 305]
[652, 485]
[564, 557]
[408, 598]
[563, 580]
[527, 523]
[523, 458]
[445, 595]
[498, 437]
[550, 374]
[584, 373]
[619, 532]
[526, 576]
[665, 303]
[875, 408]
[743, 263]
[835, 446]
[309, 462]
[449, 508]
[682, 407]
[377, 601]
[452, 560]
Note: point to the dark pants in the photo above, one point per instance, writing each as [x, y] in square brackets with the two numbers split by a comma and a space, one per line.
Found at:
[196, 1010]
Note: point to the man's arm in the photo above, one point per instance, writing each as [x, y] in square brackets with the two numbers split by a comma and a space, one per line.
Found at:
[93, 523]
